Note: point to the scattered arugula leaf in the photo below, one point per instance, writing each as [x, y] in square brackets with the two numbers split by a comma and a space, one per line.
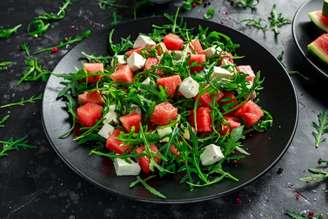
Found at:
[210, 13]
[256, 23]
[296, 215]
[136, 182]
[3, 120]
[317, 175]
[5, 64]
[40, 24]
[245, 3]
[67, 42]
[33, 71]
[23, 101]
[277, 20]
[14, 144]
[320, 128]
[5, 33]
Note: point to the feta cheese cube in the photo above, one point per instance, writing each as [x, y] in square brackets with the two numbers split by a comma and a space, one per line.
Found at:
[143, 41]
[123, 168]
[211, 155]
[189, 88]
[146, 81]
[219, 72]
[121, 59]
[112, 107]
[211, 51]
[161, 48]
[111, 116]
[136, 61]
[162, 132]
[106, 130]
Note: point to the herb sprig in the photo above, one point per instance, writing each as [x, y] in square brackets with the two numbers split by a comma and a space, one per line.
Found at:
[277, 20]
[67, 42]
[5, 64]
[40, 24]
[320, 128]
[245, 3]
[14, 144]
[256, 23]
[296, 215]
[317, 175]
[209, 13]
[3, 120]
[22, 101]
[5, 33]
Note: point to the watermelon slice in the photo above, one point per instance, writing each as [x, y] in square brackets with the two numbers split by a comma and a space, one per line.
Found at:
[325, 8]
[319, 47]
[319, 20]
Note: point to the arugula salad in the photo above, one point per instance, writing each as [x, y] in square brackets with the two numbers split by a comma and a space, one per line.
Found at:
[171, 102]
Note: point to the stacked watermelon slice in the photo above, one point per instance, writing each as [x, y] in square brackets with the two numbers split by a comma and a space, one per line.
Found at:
[319, 47]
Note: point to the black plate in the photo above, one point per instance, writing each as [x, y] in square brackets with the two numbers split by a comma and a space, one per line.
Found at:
[304, 32]
[266, 148]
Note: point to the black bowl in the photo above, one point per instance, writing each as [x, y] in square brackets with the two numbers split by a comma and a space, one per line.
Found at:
[266, 148]
[304, 32]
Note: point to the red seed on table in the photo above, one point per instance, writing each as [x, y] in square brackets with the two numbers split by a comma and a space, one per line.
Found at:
[238, 200]
[194, 5]
[311, 214]
[297, 196]
[54, 50]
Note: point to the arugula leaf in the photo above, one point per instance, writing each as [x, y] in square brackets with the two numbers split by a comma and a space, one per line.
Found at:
[3, 120]
[320, 128]
[150, 188]
[296, 215]
[265, 123]
[256, 23]
[5, 64]
[23, 101]
[33, 71]
[67, 42]
[210, 13]
[5, 33]
[40, 24]
[277, 20]
[121, 46]
[14, 144]
[316, 175]
[245, 3]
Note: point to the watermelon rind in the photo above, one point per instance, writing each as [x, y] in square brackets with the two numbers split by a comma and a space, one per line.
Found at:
[314, 49]
[325, 8]
[316, 20]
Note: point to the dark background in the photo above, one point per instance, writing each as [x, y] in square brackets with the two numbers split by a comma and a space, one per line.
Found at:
[37, 184]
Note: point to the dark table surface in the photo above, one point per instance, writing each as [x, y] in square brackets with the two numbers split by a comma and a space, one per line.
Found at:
[37, 184]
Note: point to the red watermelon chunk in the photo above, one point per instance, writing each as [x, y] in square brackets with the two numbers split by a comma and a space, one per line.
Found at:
[170, 83]
[163, 114]
[92, 68]
[122, 74]
[144, 161]
[131, 51]
[150, 62]
[232, 123]
[206, 98]
[91, 97]
[115, 145]
[319, 47]
[196, 46]
[89, 113]
[198, 60]
[203, 119]
[130, 120]
[227, 59]
[250, 113]
[173, 42]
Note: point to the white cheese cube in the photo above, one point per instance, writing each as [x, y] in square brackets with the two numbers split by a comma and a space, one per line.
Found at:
[219, 72]
[121, 59]
[211, 155]
[209, 52]
[135, 108]
[162, 132]
[123, 168]
[161, 48]
[106, 130]
[146, 81]
[136, 61]
[110, 117]
[143, 41]
[189, 88]
[112, 107]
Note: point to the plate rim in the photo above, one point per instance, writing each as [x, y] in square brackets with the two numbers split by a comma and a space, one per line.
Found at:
[296, 15]
[186, 200]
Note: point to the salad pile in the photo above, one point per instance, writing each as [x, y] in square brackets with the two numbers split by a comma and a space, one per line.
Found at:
[173, 102]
